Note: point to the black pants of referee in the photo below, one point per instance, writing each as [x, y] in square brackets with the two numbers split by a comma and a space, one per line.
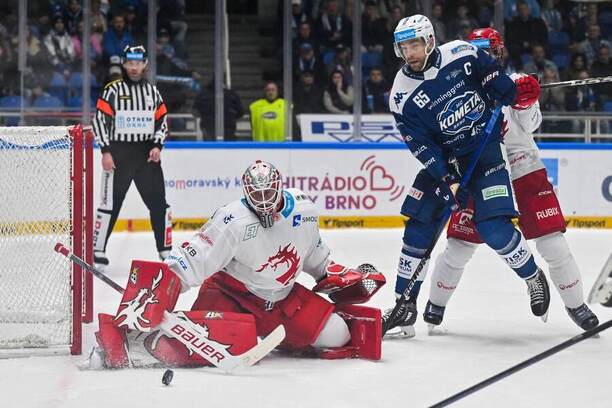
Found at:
[131, 164]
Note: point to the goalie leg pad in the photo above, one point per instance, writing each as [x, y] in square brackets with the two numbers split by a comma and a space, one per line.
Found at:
[365, 327]
[112, 340]
[152, 288]
[236, 330]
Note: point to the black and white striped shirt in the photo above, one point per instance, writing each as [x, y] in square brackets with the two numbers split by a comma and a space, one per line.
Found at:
[130, 111]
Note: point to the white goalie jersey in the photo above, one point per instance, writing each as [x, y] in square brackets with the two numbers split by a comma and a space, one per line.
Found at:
[523, 154]
[266, 260]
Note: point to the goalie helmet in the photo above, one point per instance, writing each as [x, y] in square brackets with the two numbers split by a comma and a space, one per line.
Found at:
[262, 186]
[489, 40]
[417, 26]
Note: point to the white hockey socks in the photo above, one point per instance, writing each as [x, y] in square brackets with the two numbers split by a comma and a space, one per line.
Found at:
[563, 269]
[448, 269]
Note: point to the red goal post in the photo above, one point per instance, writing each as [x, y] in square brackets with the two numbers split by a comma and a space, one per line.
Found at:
[46, 195]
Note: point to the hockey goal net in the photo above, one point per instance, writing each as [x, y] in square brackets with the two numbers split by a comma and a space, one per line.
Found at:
[45, 197]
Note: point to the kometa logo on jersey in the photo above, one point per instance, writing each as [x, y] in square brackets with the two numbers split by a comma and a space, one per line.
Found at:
[461, 112]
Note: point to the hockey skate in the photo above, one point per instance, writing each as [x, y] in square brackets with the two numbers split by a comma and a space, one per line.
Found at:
[403, 325]
[583, 317]
[100, 260]
[433, 316]
[539, 294]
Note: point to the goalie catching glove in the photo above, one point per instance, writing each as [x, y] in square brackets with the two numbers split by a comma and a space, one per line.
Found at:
[350, 286]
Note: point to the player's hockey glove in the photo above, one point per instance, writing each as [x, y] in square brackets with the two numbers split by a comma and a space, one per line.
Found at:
[448, 190]
[528, 92]
[347, 285]
[499, 87]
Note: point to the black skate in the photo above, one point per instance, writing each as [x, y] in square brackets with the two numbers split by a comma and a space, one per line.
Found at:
[583, 317]
[403, 325]
[539, 294]
[100, 259]
[433, 316]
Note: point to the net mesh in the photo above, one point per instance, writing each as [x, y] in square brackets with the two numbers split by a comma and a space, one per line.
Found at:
[35, 213]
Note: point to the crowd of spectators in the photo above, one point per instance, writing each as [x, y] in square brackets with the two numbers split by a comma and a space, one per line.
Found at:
[54, 47]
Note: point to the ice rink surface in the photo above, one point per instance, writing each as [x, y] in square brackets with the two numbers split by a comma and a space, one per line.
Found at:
[487, 328]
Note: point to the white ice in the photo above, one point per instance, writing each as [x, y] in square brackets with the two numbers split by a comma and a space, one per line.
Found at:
[487, 328]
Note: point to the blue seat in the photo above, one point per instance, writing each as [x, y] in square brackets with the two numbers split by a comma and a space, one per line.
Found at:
[58, 87]
[525, 58]
[607, 107]
[605, 22]
[328, 57]
[369, 60]
[558, 41]
[12, 103]
[562, 60]
[47, 102]
[76, 102]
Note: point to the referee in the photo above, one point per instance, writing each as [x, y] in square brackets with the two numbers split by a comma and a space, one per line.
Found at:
[130, 128]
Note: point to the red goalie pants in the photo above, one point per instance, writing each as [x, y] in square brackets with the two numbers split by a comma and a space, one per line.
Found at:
[302, 312]
[540, 213]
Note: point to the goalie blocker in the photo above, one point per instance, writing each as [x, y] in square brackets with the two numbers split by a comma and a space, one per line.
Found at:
[234, 317]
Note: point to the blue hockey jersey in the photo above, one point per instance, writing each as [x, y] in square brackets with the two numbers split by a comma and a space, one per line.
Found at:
[443, 111]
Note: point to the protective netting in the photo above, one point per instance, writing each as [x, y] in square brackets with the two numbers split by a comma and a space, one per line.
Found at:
[35, 213]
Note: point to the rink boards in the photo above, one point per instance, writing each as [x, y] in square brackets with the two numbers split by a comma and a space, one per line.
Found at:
[358, 185]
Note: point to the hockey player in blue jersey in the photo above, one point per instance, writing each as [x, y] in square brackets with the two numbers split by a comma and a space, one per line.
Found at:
[442, 100]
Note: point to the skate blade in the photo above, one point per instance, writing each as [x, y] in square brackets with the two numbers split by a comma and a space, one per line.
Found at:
[544, 317]
[405, 332]
[431, 329]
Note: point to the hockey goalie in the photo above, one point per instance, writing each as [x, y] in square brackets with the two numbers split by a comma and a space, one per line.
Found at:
[246, 260]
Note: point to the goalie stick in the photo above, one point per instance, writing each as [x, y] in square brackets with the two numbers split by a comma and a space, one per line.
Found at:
[601, 292]
[444, 219]
[190, 334]
[530, 361]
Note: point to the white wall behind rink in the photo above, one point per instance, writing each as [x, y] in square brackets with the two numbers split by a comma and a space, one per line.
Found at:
[347, 182]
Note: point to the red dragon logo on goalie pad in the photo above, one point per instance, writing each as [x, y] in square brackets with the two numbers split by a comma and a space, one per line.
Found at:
[132, 313]
[284, 257]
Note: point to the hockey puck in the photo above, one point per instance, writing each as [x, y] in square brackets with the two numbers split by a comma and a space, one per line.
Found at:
[167, 377]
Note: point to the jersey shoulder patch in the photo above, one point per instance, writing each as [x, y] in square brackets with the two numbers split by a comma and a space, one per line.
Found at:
[402, 90]
[456, 49]
[111, 83]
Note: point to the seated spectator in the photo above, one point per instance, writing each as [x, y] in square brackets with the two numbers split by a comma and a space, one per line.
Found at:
[438, 25]
[575, 27]
[95, 43]
[577, 65]
[205, 104]
[307, 61]
[372, 28]
[459, 23]
[135, 24]
[114, 72]
[523, 32]
[98, 17]
[307, 96]
[60, 48]
[299, 16]
[552, 100]
[167, 61]
[375, 93]
[539, 63]
[333, 28]
[268, 116]
[391, 63]
[602, 67]
[592, 43]
[73, 15]
[511, 8]
[342, 62]
[116, 38]
[305, 35]
[171, 16]
[507, 63]
[551, 16]
[580, 99]
[5, 45]
[338, 96]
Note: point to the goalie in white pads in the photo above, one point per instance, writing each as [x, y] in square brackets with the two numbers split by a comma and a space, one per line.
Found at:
[540, 217]
[246, 259]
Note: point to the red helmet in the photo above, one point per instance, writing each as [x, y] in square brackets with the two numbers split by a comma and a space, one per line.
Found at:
[488, 39]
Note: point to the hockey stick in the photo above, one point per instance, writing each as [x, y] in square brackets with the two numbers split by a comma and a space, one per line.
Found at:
[445, 216]
[193, 336]
[578, 82]
[524, 364]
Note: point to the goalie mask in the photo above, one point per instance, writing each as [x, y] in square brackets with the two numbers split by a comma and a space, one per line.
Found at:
[262, 186]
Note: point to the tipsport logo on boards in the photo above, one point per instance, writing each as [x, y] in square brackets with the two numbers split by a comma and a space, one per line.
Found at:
[372, 184]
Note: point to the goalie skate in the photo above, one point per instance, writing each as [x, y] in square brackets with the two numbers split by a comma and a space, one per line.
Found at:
[403, 325]
[601, 292]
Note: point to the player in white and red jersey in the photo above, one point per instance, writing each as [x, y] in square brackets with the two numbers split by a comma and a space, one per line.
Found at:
[540, 217]
[246, 260]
